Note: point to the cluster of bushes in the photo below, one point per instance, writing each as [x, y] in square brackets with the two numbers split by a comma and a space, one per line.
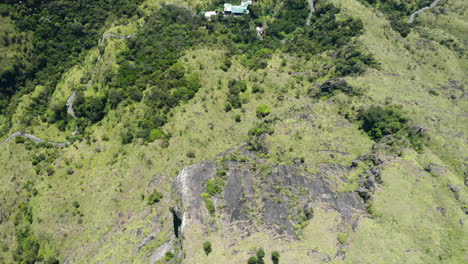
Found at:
[262, 111]
[333, 87]
[90, 108]
[28, 247]
[43, 159]
[379, 122]
[293, 15]
[207, 247]
[256, 136]
[151, 66]
[325, 32]
[154, 197]
[234, 99]
[260, 255]
[398, 12]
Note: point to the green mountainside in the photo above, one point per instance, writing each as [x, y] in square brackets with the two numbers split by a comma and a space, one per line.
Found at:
[143, 131]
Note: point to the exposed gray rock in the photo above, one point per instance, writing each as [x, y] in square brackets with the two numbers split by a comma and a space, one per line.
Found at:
[189, 186]
[160, 252]
[437, 170]
[276, 197]
[454, 188]
[441, 210]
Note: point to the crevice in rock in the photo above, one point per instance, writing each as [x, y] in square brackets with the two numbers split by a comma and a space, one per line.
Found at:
[176, 222]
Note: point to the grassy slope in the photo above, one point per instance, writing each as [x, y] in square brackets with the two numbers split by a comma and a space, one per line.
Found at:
[109, 179]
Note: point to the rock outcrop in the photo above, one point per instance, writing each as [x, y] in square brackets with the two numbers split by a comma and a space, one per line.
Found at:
[258, 196]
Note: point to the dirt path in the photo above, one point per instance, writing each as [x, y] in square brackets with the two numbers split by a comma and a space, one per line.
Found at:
[312, 10]
[112, 35]
[413, 16]
[33, 138]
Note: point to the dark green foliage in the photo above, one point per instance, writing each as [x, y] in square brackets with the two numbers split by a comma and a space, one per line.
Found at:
[152, 63]
[126, 136]
[215, 186]
[207, 247]
[380, 121]
[154, 197]
[52, 260]
[209, 203]
[256, 136]
[334, 86]
[252, 260]
[275, 256]
[262, 128]
[92, 108]
[226, 64]
[399, 25]
[325, 32]
[76, 204]
[351, 60]
[28, 247]
[71, 27]
[293, 15]
[262, 110]
[260, 255]
[398, 12]
[27, 251]
[233, 96]
[169, 255]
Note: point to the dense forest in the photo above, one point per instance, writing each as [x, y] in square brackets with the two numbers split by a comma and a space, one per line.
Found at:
[62, 31]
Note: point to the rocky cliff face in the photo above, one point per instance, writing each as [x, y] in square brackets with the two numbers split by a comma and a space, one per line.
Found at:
[251, 195]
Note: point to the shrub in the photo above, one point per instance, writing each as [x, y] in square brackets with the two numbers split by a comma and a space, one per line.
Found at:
[209, 203]
[76, 204]
[154, 197]
[207, 247]
[169, 256]
[262, 110]
[275, 256]
[252, 260]
[342, 238]
[233, 96]
[379, 122]
[126, 136]
[255, 139]
[214, 187]
[19, 140]
[155, 134]
[260, 255]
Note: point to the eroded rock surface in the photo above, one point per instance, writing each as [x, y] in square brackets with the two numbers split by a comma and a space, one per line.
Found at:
[257, 196]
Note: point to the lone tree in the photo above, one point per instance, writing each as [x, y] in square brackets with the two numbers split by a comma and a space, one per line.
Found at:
[262, 110]
[207, 247]
[260, 256]
[275, 255]
[252, 260]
